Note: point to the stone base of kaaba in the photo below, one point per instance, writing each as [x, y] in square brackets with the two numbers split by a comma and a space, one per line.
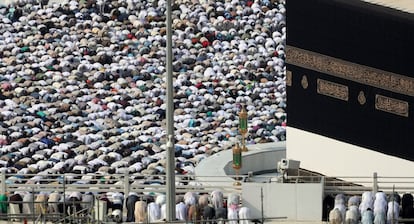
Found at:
[339, 159]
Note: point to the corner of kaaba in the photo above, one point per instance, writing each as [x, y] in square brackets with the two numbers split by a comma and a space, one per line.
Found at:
[350, 73]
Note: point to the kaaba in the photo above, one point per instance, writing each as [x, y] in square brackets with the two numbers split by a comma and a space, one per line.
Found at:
[350, 73]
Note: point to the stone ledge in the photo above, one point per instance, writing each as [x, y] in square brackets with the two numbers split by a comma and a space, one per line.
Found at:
[260, 157]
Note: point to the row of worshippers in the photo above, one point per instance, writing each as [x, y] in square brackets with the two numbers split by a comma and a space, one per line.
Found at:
[29, 203]
[190, 207]
[371, 208]
[82, 86]
[78, 82]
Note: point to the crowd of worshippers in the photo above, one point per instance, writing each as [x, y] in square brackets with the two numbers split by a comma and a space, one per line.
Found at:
[190, 208]
[82, 90]
[82, 83]
[377, 208]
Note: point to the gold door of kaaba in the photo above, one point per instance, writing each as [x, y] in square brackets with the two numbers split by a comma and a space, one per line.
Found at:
[350, 73]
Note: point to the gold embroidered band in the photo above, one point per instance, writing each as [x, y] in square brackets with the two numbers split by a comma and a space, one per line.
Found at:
[391, 105]
[332, 89]
[288, 78]
[350, 71]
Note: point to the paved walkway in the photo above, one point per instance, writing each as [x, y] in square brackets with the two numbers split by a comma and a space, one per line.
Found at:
[259, 158]
[403, 5]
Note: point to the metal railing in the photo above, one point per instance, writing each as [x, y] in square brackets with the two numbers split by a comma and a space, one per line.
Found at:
[43, 216]
[117, 183]
[152, 184]
[352, 185]
[145, 185]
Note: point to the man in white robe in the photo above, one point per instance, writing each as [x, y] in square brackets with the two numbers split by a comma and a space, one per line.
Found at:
[244, 215]
[154, 212]
[180, 209]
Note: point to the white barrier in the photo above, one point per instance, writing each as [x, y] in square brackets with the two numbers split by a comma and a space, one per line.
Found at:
[100, 208]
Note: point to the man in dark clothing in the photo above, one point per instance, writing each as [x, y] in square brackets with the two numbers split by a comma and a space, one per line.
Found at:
[221, 214]
[130, 204]
[44, 3]
[208, 214]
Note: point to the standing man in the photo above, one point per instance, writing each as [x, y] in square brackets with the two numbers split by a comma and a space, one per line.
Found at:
[43, 3]
[101, 6]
